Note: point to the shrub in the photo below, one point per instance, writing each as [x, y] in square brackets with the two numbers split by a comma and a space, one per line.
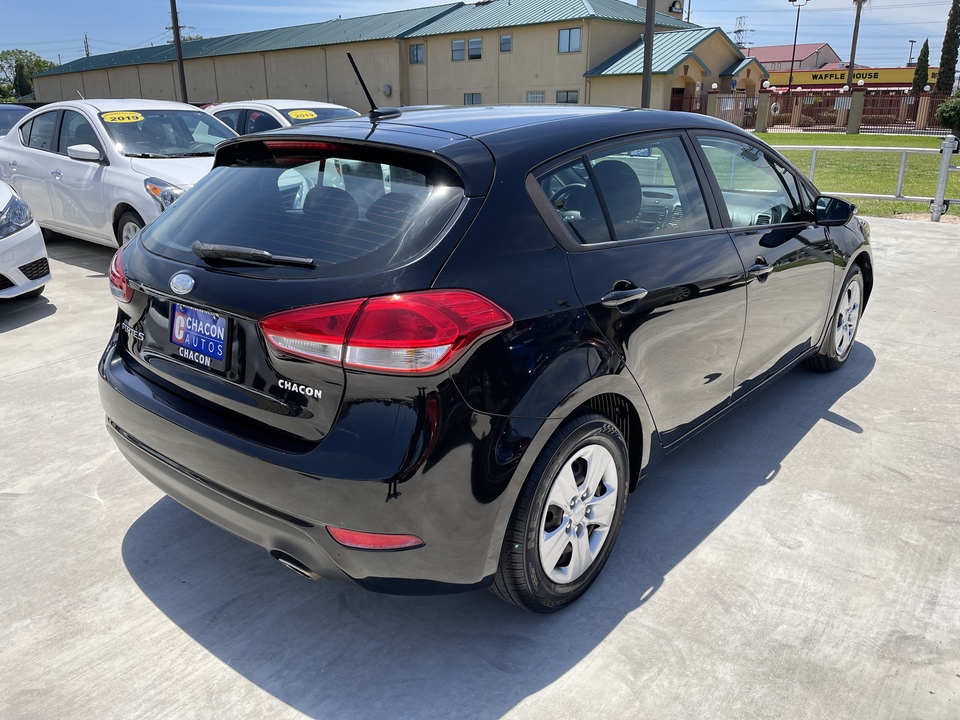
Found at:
[948, 114]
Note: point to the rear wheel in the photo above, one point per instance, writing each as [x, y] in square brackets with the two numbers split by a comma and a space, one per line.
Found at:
[567, 517]
[128, 226]
[842, 331]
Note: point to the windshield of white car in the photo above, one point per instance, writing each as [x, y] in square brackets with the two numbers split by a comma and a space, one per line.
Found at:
[164, 133]
[304, 115]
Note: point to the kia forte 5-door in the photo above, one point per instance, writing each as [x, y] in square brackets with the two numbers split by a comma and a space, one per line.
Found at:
[448, 368]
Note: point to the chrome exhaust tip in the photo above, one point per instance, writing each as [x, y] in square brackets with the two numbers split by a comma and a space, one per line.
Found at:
[290, 562]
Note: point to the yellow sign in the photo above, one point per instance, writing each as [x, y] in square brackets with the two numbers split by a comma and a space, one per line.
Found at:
[302, 114]
[121, 117]
[870, 76]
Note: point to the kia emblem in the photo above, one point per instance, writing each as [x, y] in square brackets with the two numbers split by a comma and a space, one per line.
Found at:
[181, 283]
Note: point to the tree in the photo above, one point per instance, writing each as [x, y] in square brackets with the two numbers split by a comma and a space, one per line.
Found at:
[21, 83]
[32, 64]
[922, 72]
[856, 33]
[948, 52]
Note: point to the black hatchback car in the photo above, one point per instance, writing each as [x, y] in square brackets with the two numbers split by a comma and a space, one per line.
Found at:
[436, 351]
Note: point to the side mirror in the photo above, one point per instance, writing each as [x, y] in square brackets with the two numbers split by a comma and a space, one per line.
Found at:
[833, 211]
[84, 152]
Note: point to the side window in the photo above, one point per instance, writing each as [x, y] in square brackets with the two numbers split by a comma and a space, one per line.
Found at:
[647, 188]
[755, 189]
[42, 132]
[77, 130]
[259, 122]
[230, 118]
[25, 132]
[573, 195]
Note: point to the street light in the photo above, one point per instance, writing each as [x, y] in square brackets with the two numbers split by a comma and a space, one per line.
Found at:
[910, 57]
[796, 30]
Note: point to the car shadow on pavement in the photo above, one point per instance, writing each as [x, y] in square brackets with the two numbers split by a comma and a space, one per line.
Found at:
[79, 253]
[21, 311]
[332, 649]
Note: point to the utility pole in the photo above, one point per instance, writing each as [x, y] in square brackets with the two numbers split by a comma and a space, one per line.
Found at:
[689, 8]
[853, 48]
[176, 43]
[650, 21]
[86, 45]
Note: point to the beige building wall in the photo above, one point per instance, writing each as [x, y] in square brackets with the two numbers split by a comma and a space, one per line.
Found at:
[201, 76]
[71, 87]
[124, 82]
[379, 63]
[297, 74]
[156, 82]
[47, 89]
[96, 84]
[241, 77]
[415, 77]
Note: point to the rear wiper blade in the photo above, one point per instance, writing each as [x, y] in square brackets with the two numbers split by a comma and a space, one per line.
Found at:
[237, 252]
[205, 153]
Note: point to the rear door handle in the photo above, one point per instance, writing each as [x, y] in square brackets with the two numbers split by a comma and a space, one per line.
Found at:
[616, 298]
[13, 164]
[57, 174]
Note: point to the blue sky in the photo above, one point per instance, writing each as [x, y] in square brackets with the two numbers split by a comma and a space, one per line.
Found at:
[56, 27]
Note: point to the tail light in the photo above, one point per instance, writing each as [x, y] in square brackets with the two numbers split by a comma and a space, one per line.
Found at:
[412, 333]
[118, 279]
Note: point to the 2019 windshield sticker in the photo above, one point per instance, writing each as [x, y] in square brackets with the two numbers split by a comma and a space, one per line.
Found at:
[121, 117]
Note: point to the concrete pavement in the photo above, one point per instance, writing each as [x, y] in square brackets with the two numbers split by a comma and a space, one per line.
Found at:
[799, 559]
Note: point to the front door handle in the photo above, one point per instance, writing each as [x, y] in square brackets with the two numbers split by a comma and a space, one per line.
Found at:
[760, 269]
[616, 298]
[13, 164]
[57, 174]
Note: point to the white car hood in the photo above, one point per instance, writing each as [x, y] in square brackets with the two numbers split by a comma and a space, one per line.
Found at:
[183, 172]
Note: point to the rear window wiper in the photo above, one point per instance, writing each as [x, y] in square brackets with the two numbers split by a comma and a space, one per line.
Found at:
[237, 252]
[205, 153]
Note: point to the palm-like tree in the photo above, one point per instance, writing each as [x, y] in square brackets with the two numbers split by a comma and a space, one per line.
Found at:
[856, 33]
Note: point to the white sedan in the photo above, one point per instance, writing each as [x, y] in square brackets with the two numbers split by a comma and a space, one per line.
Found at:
[102, 169]
[23, 256]
[250, 116]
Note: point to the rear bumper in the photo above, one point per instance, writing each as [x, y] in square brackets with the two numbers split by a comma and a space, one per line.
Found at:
[283, 502]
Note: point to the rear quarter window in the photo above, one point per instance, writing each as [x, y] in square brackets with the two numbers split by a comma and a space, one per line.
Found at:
[349, 212]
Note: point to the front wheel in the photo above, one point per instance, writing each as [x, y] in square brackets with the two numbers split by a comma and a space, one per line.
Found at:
[567, 517]
[128, 226]
[842, 331]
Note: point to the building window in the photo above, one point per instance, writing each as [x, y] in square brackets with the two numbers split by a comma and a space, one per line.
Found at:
[471, 98]
[475, 49]
[535, 97]
[506, 43]
[416, 54]
[570, 40]
[457, 50]
[568, 96]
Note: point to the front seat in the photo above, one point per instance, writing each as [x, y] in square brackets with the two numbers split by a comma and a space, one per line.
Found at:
[263, 123]
[622, 193]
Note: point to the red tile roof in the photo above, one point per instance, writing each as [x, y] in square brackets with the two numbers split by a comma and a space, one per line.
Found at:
[782, 53]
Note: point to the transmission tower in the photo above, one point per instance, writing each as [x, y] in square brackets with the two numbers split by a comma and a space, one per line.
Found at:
[741, 33]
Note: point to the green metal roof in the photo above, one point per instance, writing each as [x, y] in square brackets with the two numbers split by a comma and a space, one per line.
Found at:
[741, 65]
[514, 13]
[420, 22]
[384, 26]
[670, 49]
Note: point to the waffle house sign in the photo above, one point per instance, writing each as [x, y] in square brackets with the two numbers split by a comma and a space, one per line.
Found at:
[834, 79]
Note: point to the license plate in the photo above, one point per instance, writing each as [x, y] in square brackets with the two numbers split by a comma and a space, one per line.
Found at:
[199, 336]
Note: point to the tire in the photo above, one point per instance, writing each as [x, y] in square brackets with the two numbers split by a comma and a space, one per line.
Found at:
[128, 225]
[842, 331]
[552, 552]
[36, 292]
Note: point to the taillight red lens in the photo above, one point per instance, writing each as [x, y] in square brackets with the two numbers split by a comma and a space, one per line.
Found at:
[314, 333]
[119, 287]
[411, 333]
[373, 541]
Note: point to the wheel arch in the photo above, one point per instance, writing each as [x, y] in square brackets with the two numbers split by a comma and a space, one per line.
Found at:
[118, 212]
[865, 263]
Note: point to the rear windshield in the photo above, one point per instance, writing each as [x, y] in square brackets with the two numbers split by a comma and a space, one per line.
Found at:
[301, 116]
[344, 211]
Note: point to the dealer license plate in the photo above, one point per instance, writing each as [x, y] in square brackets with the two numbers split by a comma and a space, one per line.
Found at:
[199, 336]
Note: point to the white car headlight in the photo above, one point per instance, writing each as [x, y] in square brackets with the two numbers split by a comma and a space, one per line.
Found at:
[15, 216]
[165, 193]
